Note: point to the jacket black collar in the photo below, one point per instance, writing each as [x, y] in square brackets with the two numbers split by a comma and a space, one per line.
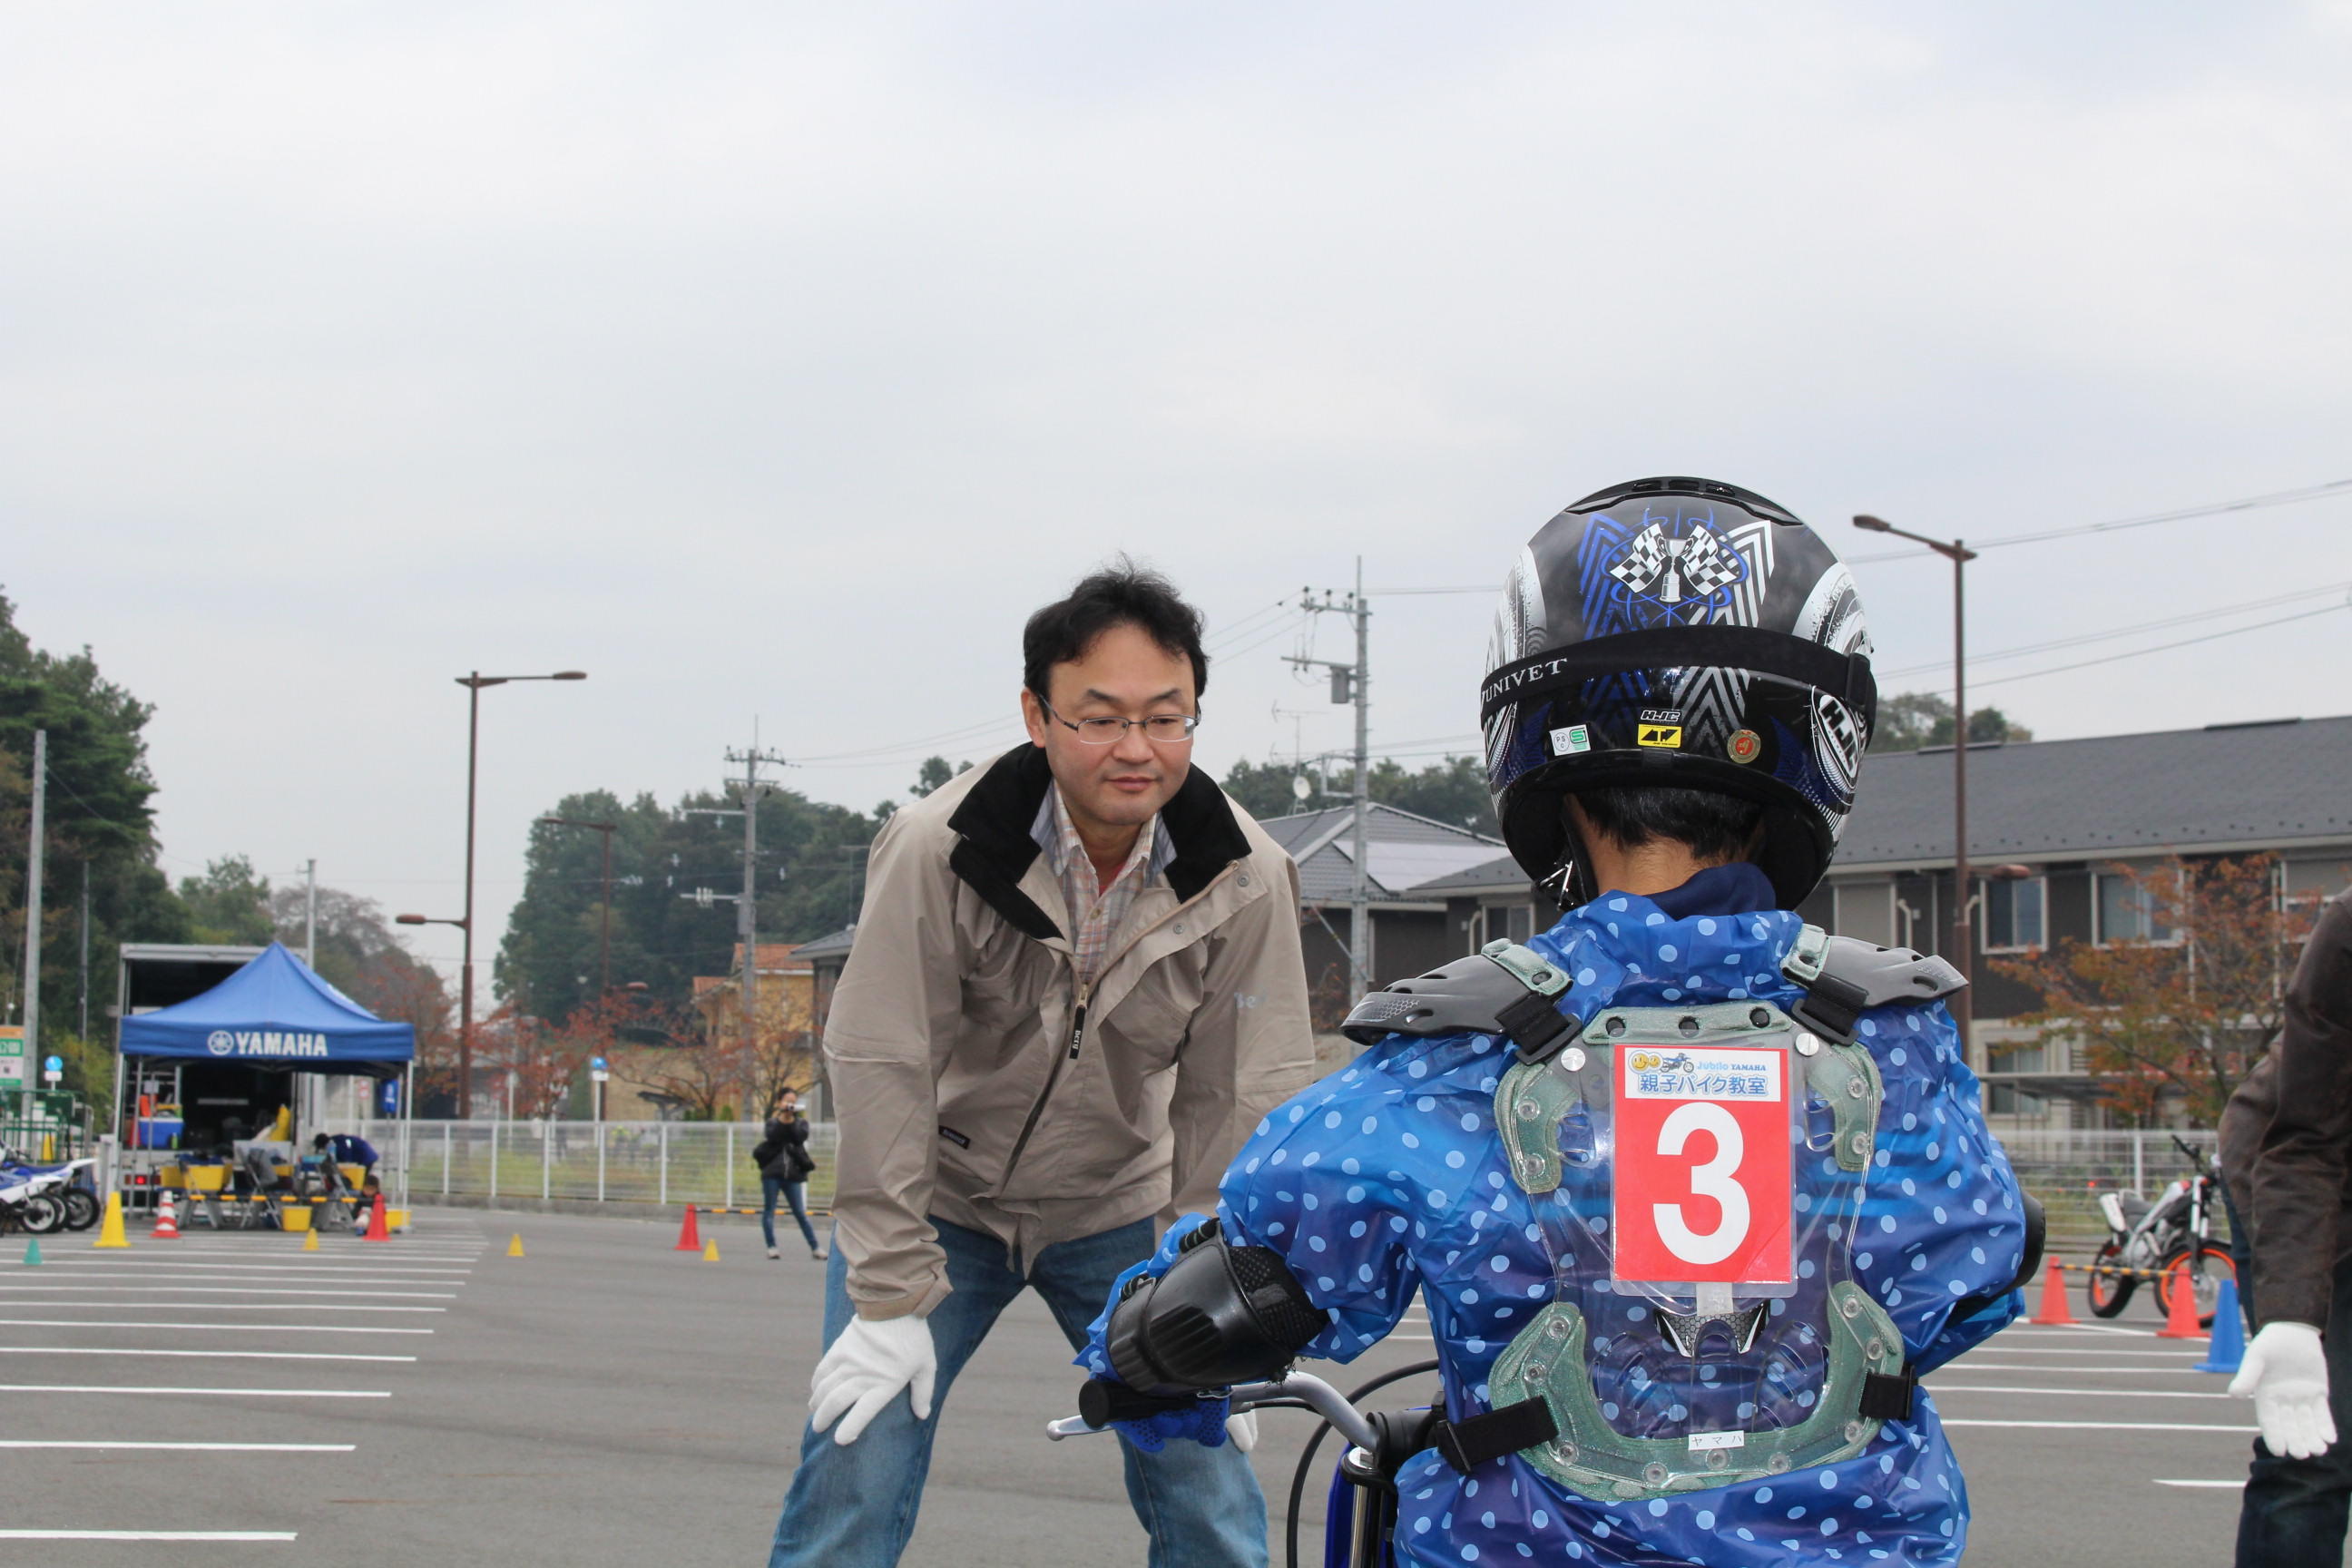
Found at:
[996, 814]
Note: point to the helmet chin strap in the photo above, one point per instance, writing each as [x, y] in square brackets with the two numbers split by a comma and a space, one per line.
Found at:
[1570, 882]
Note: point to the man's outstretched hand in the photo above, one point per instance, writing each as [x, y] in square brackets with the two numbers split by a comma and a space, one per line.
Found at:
[2286, 1372]
[868, 1366]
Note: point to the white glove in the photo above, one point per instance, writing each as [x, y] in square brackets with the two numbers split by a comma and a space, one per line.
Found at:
[1241, 1430]
[2285, 1371]
[868, 1366]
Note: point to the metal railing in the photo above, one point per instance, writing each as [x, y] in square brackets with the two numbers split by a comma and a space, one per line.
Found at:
[662, 1164]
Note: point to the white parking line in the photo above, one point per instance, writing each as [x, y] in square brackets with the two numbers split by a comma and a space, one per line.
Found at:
[2103, 1425]
[237, 1355]
[1971, 1364]
[2233, 1486]
[2002, 1347]
[2078, 1329]
[195, 1328]
[146, 1535]
[216, 1393]
[295, 1265]
[222, 1306]
[238, 1291]
[1943, 1388]
[187, 1447]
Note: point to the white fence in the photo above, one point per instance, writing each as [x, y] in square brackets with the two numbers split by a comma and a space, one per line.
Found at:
[708, 1164]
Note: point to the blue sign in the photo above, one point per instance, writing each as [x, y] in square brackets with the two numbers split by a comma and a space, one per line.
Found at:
[54, 1064]
[392, 1096]
[596, 1064]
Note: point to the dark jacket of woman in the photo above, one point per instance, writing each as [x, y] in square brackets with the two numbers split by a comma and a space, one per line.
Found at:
[789, 1140]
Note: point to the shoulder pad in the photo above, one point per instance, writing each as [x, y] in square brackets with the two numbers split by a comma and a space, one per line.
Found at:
[1503, 989]
[1844, 977]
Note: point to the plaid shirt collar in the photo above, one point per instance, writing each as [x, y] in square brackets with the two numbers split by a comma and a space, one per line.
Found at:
[1096, 911]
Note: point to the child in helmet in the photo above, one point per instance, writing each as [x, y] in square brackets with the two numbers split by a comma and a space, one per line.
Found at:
[1693, 1192]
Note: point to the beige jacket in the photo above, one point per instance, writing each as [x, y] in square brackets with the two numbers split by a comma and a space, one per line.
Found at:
[971, 1081]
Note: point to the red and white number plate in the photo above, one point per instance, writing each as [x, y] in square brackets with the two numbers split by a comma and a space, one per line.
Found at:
[1701, 1180]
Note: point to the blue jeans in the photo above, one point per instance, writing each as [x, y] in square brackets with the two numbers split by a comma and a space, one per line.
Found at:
[2293, 1511]
[854, 1507]
[794, 1194]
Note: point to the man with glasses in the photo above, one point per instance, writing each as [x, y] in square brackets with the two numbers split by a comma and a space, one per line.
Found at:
[1075, 987]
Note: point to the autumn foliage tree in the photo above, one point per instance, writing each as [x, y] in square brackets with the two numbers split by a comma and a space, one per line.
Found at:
[2172, 1020]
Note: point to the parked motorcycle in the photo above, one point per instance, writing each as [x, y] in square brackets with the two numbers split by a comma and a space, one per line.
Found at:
[25, 1206]
[2169, 1241]
[67, 1187]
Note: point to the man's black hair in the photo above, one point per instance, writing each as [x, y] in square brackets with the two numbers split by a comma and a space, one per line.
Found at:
[1120, 594]
[1714, 827]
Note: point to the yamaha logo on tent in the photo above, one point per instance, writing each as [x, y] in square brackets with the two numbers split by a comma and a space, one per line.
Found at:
[264, 1043]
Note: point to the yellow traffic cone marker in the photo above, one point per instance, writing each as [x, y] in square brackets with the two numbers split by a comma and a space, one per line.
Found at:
[710, 1251]
[310, 1239]
[514, 1247]
[111, 1233]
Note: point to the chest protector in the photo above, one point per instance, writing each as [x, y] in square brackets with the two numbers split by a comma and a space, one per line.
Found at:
[1651, 1384]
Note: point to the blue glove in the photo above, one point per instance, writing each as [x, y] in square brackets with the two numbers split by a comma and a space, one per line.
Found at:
[1202, 1422]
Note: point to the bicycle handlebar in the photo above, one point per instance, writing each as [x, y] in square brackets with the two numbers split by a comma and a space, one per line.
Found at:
[1102, 1402]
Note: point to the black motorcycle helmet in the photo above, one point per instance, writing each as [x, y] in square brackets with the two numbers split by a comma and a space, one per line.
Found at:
[1684, 633]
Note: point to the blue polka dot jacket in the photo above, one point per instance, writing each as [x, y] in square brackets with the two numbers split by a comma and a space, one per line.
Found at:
[1388, 1180]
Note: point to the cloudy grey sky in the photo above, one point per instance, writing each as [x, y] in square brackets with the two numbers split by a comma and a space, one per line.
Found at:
[777, 360]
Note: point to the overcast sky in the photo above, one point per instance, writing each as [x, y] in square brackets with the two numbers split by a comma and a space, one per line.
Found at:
[776, 361]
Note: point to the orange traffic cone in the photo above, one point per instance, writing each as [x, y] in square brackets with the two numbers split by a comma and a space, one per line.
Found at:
[377, 1230]
[2053, 1312]
[689, 1238]
[167, 1223]
[2180, 1316]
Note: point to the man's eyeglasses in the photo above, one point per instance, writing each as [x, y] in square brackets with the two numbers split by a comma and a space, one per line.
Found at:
[1168, 729]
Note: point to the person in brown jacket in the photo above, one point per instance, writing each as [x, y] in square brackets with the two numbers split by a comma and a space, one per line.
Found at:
[1075, 987]
[2286, 1156]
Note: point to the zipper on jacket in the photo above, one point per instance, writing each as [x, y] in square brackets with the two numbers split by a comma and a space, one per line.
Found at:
[1079, 1023]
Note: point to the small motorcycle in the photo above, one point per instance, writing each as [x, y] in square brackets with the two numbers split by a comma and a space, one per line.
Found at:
[2169, 1241]
[71, 1199]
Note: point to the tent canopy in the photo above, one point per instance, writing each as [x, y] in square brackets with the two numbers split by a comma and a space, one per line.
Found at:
[274, 1013]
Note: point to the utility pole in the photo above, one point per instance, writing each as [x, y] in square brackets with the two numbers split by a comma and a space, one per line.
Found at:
[1352, 683]
[748, 789]
[311, 913]
[84, 1030]
[33, 904]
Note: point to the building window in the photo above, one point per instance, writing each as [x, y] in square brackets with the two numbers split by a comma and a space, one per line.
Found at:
[2013, 1058]
[1519, 923]
[2128, 912]
[2002, 1101]
[2015, 914]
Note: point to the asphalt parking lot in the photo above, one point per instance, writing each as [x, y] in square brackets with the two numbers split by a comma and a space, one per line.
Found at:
[603, 1398]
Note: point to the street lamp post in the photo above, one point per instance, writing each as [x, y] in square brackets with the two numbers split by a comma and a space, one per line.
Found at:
[474, 683]
[604, 932]
[1959, 555]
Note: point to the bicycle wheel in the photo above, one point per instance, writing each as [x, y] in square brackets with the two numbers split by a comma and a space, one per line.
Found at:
[2205, 1269]
[43, 1214]
[81, 1209]
[2109, 1289]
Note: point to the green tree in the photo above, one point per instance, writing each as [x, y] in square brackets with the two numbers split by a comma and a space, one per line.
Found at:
[1910, 719]
[97, 823]
[228, 905]
[934, 773]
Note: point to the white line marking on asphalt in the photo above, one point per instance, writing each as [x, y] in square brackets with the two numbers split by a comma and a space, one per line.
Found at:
[146, 1535]
[194, 1328]
[2002, 1347]
[220, 1392]
[239, 1356]
[298, 1264]
[2104, 1426]
[1943, 1388]
[2078, 1329]
[189, 1447]
[2233, 1486]
[241, 1291]
[1971, 1364]
[222, 1305]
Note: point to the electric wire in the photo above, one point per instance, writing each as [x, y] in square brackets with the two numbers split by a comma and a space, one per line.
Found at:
[2245, 503]
[2160, 648]
[2165, 624]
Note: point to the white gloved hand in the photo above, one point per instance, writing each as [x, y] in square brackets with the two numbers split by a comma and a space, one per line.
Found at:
[868, 1366]
[2285, 1372]
[1241, 1430]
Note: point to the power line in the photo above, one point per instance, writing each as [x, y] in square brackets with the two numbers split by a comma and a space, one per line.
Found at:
[2160, 648]
[2247, 503]
[2165, 624]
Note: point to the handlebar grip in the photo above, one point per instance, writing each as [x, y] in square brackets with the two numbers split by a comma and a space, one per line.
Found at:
[1103, 1401]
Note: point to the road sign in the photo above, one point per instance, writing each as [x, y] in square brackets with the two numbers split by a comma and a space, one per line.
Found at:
[596, 1064]
[53, 1068]
[11, 1053]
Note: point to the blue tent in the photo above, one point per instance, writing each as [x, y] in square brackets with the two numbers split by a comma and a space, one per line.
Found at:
[274, 1013]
